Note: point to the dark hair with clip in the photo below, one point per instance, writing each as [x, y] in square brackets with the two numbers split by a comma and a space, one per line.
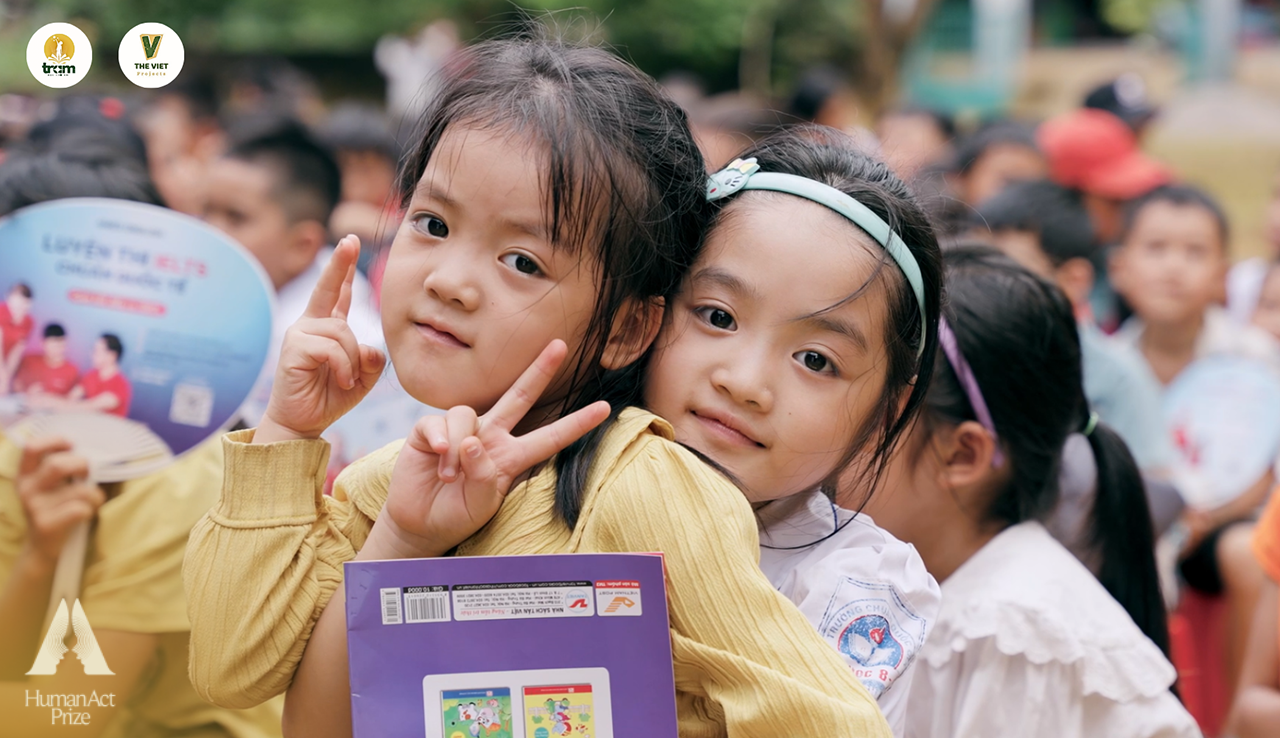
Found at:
[625, 185]
[832, 158]
[1018, 334]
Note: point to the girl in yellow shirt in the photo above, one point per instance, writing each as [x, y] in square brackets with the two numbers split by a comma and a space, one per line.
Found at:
[555, 201]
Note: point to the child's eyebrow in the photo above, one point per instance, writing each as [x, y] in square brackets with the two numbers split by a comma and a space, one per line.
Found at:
[731, 282]
[431, 191]
[537, 230]
[852, 331]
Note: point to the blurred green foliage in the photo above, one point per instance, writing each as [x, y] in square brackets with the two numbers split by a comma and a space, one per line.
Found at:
[703, 36]
[1132, 16]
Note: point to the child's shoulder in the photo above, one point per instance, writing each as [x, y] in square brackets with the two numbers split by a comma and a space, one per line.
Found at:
[817, 549]
[640, 457]
[1037, 602]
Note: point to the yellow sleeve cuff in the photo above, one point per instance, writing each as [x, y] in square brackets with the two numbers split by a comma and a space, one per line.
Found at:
[271, 484]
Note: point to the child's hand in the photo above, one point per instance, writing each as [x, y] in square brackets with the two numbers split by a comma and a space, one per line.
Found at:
[1199, 524]
[455, 470]
[323, 370]
[56, 496]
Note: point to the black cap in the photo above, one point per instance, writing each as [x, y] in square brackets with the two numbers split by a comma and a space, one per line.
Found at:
[1124, 97]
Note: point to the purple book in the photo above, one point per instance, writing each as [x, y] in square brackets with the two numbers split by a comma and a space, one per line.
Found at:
[558, 646]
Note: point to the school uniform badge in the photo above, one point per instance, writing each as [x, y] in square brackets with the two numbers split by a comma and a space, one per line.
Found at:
[874, 629]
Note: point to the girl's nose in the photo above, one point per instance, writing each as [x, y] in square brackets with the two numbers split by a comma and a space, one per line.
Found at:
[450, 279]
[745, 380]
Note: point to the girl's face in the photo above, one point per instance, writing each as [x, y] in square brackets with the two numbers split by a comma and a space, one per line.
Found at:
[755, 369]
[474, 289]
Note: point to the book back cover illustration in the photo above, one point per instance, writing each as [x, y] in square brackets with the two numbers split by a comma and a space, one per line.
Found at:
[477, 712]
[559, 710]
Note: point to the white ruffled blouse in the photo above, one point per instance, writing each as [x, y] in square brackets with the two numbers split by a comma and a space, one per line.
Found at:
[1028, 643]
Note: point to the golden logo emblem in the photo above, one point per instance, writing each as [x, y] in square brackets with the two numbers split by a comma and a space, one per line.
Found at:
[59, 48]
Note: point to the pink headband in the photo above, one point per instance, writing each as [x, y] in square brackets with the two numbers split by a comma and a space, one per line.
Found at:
[969, 384]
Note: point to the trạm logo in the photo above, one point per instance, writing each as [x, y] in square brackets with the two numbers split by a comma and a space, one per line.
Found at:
[59, 49]
[150, 44]
[86, 648]
[59, 55]
[151, 55]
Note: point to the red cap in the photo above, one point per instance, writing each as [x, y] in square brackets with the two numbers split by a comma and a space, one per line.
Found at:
[1094, 151]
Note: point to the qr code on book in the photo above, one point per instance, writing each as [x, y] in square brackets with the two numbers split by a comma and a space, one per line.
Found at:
[192, 405]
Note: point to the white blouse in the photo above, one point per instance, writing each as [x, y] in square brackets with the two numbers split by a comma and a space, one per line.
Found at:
[1029, 643]
[866, 592]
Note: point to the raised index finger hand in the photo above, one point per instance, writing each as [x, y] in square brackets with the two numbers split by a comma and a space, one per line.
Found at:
[327, 295]
[511, 407]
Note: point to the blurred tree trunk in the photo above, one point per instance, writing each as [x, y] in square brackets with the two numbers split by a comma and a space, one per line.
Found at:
[885, 42]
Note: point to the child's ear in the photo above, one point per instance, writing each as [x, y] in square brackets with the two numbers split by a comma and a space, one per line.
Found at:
[967, 452]
[306, 238]
[1075, 277]
[634, 329]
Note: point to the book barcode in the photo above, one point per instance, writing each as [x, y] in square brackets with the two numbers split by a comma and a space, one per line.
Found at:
[426, 607]
[390, 605]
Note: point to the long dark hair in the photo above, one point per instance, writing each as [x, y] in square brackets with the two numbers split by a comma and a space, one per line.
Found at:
[833, 158]
[625, 185]
[1018, 334]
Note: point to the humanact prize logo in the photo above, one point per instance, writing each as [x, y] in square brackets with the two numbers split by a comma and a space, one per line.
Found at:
[52, 650]
[151, 55]
[59, 55]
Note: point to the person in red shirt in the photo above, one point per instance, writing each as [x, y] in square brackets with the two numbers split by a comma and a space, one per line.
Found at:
[49, 372]
[15, 326]
[105, 387]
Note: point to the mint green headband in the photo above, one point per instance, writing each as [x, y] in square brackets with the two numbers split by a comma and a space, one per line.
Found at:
[745, 174]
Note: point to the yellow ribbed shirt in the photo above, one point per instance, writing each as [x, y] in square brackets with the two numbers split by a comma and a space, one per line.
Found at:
[133, 583]
[262, 565]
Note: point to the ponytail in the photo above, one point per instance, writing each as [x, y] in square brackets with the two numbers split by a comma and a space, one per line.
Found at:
[1018, 333]
[1121, 531]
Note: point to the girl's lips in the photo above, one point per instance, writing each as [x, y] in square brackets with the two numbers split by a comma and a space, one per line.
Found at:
[727, 432]
[437, 336]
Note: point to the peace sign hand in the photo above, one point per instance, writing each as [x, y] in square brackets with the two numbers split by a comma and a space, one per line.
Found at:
[455, 470]
[323, 371]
